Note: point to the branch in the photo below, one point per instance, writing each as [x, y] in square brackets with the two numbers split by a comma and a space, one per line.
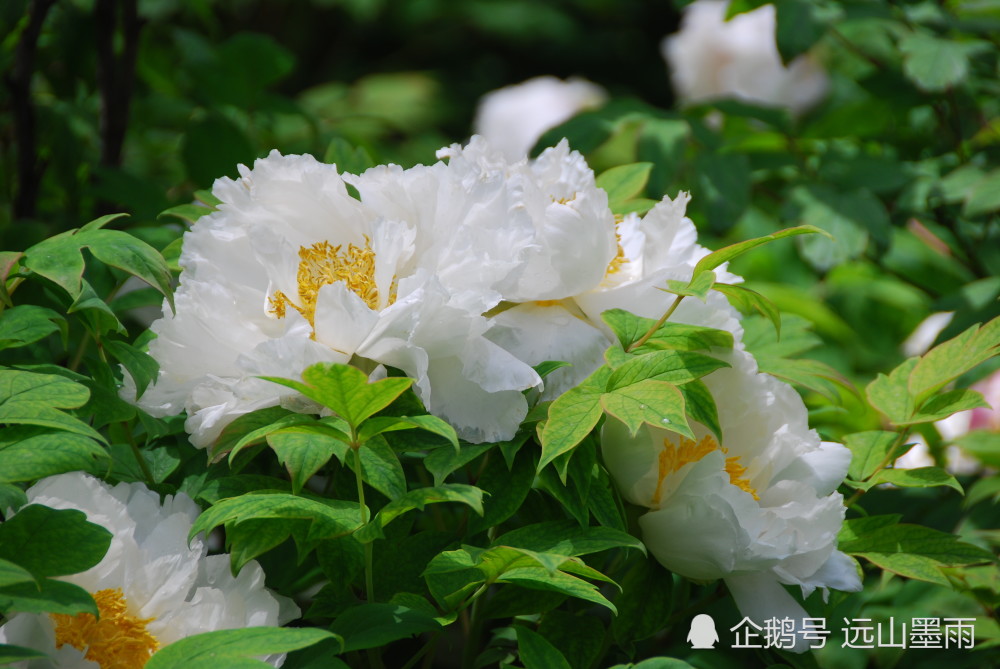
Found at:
[115, 73]
[29, 173]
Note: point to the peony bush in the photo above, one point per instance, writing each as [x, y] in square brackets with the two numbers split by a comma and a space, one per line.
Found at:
[655, 394]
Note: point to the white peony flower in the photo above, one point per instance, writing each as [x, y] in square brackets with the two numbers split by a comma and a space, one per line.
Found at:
[711, 58]
[525, 232]
[758, 510]
[650, 250]
[151, 588]
[291, 270]
[513, 118]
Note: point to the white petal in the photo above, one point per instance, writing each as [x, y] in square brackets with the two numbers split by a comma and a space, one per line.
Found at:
[760, 597]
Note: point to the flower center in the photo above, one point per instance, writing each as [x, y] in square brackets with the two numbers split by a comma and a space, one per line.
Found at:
[116, 641]
[673, 457]
[322, 264]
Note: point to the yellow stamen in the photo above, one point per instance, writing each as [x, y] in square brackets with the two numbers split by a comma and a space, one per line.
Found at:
[619, 259]
[116, 641]
[322, 264]
[672, 458]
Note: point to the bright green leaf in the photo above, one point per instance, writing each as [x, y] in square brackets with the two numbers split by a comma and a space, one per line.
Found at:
[649, 401]
[346, 390]
[236, 648]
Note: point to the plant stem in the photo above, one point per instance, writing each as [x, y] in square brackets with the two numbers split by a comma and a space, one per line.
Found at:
[656, 326]
[369, 584]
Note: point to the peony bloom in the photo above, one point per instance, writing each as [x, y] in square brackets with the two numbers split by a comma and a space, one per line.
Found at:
[758, 510]
[711, 58]
[513, 118]
[649, 250]
[290, 271]
[527, 234]
[151, 588]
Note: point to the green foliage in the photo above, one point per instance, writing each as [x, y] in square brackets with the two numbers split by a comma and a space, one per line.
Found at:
[235, 648]
[908, 550]
[32, 551]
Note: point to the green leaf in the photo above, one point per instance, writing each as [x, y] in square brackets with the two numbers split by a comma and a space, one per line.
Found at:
[432, 424]
[799, 24]
[727, 253]
[346, 390]
[567, 538]
[11, 574]
[674, 367]
[240, 429]
[809, 374]
[451, 576]
[649, 401]
[28, 453]
[47, 596]
[848, 219]
[141, 366]
[984, 195]
[869, 452]
[326, 520]
[236, 648]
[644, 602]
[507, 489]
[59, 258]
[380, 468]
[700, 406]
[536, 652]
[920, 477]
[97, 314]
[559, 581]
[27, 323]
[303, 423]
[578, 636]
[936, 64]
[624, 182]
[746, 300]
[630, 328]
[10, 654]
[379, 624]
[572, 416]
[347, 157]
[417, 500]
[36, 538]
[189, 213]
[304, 451]
[949, 360]
[946, 404]
[251, 538]
[908, 550]
[698, 286]
[35, 399]
[891, 394]
[441, 462]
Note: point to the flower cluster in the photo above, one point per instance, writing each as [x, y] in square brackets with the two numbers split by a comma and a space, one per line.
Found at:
[466, 273]
[151, 588]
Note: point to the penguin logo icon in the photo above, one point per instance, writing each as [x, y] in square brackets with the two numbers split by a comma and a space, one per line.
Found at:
[703, 634]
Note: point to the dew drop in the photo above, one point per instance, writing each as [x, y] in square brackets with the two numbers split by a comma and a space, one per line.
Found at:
[664, 420]
[642, 406]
